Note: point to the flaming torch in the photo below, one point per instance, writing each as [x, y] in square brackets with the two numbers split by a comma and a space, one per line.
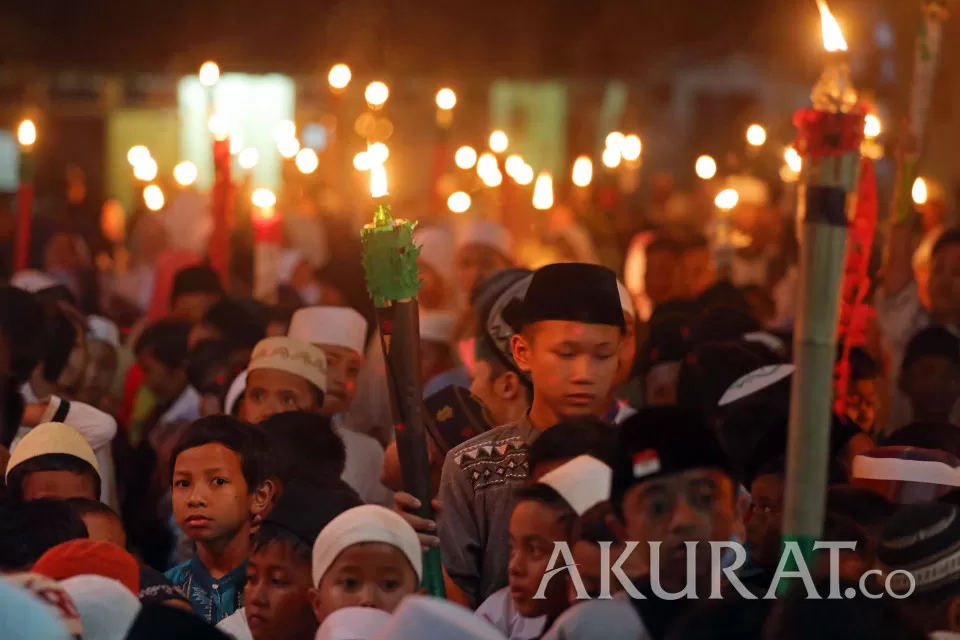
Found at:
[828, 140]
[393, 280]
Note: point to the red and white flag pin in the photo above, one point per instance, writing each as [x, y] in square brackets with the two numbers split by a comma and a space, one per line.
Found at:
[645, 463]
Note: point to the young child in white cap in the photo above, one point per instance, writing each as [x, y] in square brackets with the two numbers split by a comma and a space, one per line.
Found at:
[368, 557]
[341, 332]
[284, 375]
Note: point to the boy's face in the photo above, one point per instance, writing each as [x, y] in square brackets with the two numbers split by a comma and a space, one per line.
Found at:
[270, 391]
[475, 263]
[932, 383]
[861, 403]
[277, 594]
[659, 276]
[763, 521]
[370, 574]
[193, 307]
[59, 485]
[944, 283]
[698, 505]
[103, 526]
[572, 365]
[534, 527]
[343, 367]
[211, 500]
[697, 269]
[163, 381]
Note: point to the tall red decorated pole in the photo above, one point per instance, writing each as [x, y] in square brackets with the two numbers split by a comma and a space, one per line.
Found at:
[267, 238]
[828, 140]
[221, 196]
[26, 136]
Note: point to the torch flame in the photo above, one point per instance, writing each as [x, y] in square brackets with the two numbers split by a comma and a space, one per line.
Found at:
[832, 36]
[378, 181]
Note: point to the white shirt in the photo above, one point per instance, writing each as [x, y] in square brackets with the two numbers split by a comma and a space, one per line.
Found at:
[235, 625]
[500, 611]
[186, 408]
[364, 462]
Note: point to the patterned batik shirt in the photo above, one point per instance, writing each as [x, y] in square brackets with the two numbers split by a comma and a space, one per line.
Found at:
[212, 599]
[477, 489]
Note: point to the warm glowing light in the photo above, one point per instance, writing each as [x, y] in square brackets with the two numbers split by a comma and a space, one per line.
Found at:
[487, 164]
[513, 164]
[492, 178]
[185, 173]
[582, 171]
[137, 154]
[218, 126]
[376, 94]
[288, 147]
[27, 133]
[446, 99]
[630, 148]
[362, 162]
[919, 191]
[466, 157]
[307, 161]
[285, 130]
[263, 198]
[378, 181]
[832, 35]
[236, 143]
[706, 167]
[611, 157]
[543, 192]
[727, 199]
[378, 152]
[209, 73]
[458, 202]
[498, 141]
[153, 197]
[756, 135]
[525, 175]
[793, 160]
[339, 76]
[871, 126]
[145, 170]
[614, 140]
[248, 158]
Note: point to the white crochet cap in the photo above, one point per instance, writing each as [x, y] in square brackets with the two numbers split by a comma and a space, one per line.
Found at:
[437, 326]
[336, 326]
[352, 623]
[24, 616]
[237, 387]
[366, 523]
[52, 437]
[32, 280]
[294, 357]
[755, 381]
[626, 300]
[583, 482]
[107, 608]
[420, 617]
[100, 328]
[436, 249]
[485, 234]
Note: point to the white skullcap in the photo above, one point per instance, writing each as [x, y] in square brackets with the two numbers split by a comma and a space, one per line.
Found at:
[485, 234]
[755, 381]
[437, 326]
[366, 523]
[337, 326]
[768, 340]
[289, 260]
[107, 608]
[436, 249]
[295, 357]
[52, 437]
[24, 616]
[32, 280]
[237, 387]
[626, 300]
[50, 593]
[420, 617]
[99, 328]
[352, 623]
[582, 482]
[750, 190]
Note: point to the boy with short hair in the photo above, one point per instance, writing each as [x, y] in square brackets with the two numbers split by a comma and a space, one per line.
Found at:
[161, 352]
[53, 461]
[217, 471]
[930, 374]
[284, 375]
[860, 402]
[569, 327]
[367, 556]
[195, 290]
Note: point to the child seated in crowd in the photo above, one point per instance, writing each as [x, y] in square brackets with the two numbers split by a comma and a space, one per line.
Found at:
[284, 375]
[53, 461]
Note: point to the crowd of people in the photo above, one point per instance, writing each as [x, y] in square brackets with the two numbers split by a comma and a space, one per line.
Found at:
[607, 444]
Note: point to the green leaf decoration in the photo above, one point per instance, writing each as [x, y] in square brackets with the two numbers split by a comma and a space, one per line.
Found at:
[390, 258]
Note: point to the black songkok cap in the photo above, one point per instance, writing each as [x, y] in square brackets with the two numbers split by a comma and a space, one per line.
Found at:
[572, 291]
[923, 539]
